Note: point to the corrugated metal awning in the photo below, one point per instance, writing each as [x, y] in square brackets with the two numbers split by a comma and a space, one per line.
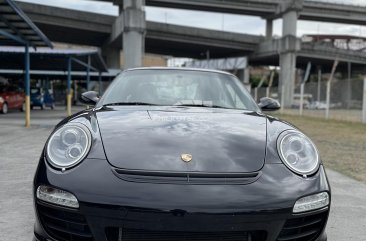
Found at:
[15, 22]
[50, 59]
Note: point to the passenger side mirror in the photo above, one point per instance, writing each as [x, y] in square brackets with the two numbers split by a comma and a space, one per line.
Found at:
[269, 104]
[90, 98]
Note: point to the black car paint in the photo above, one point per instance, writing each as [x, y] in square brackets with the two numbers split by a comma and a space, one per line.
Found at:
[235, 140]
[108, 201]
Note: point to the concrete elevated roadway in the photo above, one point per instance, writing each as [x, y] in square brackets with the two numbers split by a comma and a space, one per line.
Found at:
[77, 27]
[309, 10]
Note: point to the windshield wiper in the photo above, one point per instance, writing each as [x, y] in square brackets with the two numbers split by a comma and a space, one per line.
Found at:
[146, 103]
[203, 105]
[129, 103]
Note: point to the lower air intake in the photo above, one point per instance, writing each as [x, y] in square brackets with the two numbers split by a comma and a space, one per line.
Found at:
[63, 224]
[116, 234]
[304, 228]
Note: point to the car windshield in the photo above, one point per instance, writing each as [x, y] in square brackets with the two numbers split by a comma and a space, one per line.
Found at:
[35, 91]
[178, 88]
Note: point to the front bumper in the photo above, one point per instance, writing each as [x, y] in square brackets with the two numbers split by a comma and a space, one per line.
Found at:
[36, 102]
[111, 207]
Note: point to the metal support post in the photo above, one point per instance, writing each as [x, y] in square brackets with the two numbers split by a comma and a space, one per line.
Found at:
[302, 87]
[27, 86]
[268, 89]
[88, 74]
[349, 87]
[69, 95]
[100, 83]
[319, 82]
[328, 88]
[364, 102]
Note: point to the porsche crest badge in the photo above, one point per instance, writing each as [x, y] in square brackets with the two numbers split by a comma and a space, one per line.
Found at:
[186, 157]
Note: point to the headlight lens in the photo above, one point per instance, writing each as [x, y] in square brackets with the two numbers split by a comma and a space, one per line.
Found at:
[298, 152]
[57, 196]
[312, 202]
[68, 145]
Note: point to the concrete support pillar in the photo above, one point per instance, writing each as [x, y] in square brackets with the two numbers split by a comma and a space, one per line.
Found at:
[288, 60]
[269, 29]
[287, 78]
[289, 23]
[244, 74]
[134, 27]
[112, 57]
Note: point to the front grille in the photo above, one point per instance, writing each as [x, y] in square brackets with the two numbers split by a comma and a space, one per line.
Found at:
[64, 224]
[303, 228]
[188, 178]
[119, 234]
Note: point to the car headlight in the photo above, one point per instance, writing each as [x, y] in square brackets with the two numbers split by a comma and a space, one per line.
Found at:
[298, 152]
[311, 202]
[57, 196]
[68, 145]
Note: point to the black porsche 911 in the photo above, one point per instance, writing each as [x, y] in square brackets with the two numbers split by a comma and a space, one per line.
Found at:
[174, 154]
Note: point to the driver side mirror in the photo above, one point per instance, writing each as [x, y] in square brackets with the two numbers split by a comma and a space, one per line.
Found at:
[269, 104]
[90, 98]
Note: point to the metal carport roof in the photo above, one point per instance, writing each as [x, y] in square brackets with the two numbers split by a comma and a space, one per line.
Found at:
[14, 22]
[50, 59]
[16, 29]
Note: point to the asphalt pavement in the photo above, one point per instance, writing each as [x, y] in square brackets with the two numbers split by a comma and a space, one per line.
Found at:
[20, 149]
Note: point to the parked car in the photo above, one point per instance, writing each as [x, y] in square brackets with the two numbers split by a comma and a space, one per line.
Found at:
[318, 105]
[306, 101]
[11, 97]
[198, 162]
[322, 105]
[42, 98]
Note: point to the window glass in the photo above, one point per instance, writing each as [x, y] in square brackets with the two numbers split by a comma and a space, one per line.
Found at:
[179, 87]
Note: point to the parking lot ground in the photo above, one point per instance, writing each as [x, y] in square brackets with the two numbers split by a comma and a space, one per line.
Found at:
[20, 149]
[39, 118]
[334, 114]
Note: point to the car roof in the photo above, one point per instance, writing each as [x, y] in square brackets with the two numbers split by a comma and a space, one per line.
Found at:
[180, 68]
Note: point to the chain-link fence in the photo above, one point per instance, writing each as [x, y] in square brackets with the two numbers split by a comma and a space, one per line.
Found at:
[346, 99]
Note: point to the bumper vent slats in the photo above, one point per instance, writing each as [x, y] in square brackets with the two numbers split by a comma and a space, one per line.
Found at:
[304, 227]
[69, 230]
[309, 223]
[300, 236]
[147, 235]
[67, 220]
[64, 225]
[186, 177]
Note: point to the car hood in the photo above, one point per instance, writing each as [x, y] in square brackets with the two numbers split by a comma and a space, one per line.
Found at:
[154, 140]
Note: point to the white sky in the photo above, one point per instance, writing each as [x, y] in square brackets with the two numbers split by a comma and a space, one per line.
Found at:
[226, 22]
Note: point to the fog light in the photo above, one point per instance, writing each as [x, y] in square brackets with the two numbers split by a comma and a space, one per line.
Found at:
[56, 196]
[312, 202]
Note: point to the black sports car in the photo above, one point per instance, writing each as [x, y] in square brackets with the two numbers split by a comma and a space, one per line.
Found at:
[170, 154]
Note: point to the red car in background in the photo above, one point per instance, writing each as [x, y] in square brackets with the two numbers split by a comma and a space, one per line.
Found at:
[11, 97]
